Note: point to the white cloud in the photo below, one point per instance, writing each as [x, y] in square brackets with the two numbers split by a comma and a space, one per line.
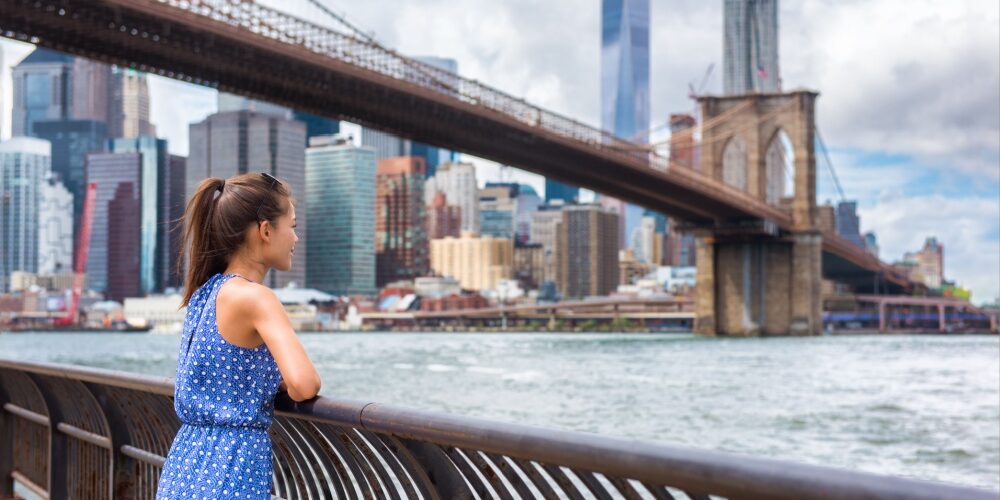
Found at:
[968, 228]
[908, 77]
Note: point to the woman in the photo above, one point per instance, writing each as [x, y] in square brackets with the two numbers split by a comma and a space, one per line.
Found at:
[238, 348]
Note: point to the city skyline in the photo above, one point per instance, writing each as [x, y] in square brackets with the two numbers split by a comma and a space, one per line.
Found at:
[934, 153]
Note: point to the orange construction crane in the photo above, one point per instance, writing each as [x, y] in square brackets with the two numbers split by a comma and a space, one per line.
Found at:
[80, 257]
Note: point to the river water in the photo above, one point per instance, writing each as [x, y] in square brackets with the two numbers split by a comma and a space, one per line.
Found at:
[917, 406]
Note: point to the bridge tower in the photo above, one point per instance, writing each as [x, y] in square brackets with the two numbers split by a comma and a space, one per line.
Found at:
[752, 278]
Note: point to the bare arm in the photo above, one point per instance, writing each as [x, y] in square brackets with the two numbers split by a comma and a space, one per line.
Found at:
[271, 322]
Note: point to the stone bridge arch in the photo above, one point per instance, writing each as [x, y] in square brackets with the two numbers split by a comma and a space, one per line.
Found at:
[756, 121]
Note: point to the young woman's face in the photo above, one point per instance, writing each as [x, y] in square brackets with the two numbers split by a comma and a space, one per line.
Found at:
[278, 254]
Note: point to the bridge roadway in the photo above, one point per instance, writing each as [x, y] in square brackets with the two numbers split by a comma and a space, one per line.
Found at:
[242, 47]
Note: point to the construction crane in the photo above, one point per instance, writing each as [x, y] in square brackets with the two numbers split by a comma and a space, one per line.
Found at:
[80, 258]
[692, 94]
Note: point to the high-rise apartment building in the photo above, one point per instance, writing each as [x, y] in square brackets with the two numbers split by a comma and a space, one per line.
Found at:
[750, 47]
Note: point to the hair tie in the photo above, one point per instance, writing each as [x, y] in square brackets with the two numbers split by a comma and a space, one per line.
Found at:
[222, 185]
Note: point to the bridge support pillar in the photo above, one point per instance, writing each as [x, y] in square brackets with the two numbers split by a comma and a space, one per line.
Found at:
[753, 286]
[941, 318]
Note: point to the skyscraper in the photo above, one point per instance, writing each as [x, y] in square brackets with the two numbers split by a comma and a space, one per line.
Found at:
[848, 222]
[477, 262]
[153, 218]
[116, 240]
[236, 142]
[443, 219]
[172, 197]
[625, 85]
[128, 112]
[385, 144]
[55, 227]
[71, 141]
[24, 166]
[51, 85]
[497, 209]
[458, 183]
[750, 45]
[42, 83]
[2, 93]
[648, 242]
[340, 192]
[587, 251]
[90, 97]
[545, 231]
[929, 263]
[871, 243]
[401, 248]
[528, 202]
[315, 125]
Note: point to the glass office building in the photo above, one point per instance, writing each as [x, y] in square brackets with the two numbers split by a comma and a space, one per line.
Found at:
[625, 83]
[340, 198]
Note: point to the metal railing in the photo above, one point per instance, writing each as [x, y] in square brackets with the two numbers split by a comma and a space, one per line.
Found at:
[77, 432]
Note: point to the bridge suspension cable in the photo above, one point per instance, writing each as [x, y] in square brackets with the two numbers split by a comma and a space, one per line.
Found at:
[833, 172]
[415, 65]
[343, 20]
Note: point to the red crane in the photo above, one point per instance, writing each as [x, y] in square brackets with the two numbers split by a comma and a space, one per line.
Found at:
[80, 257]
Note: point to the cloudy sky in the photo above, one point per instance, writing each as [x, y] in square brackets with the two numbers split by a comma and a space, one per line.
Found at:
[909, 105]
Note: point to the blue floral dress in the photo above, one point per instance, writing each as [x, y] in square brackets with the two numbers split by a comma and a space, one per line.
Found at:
[224, 396]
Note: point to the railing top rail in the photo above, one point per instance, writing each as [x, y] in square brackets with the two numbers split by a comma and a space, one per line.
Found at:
[694, 470]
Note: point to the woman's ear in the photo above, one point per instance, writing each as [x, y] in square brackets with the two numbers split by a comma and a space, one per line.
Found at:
[264, 230]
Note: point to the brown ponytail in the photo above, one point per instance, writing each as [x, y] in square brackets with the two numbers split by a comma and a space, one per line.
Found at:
[217, 218]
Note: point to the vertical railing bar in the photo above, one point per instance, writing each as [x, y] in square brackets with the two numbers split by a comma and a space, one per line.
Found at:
[659, 492]
[538, 477]
[514, 477]
[479, 484]
[625, 488]
[7, 449]
[288, 466]
[490, 472]
[413, 467]
[368, 469]
[57, 441]
[565, 483]
[303, 430]
[299, 458]
[374, 462]
[593, 484]
[335, 463]
[443, 474]
[279, 481]
[398, 473]
[360, 480]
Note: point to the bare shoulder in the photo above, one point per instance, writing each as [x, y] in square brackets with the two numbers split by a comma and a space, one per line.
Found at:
[246, 297]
